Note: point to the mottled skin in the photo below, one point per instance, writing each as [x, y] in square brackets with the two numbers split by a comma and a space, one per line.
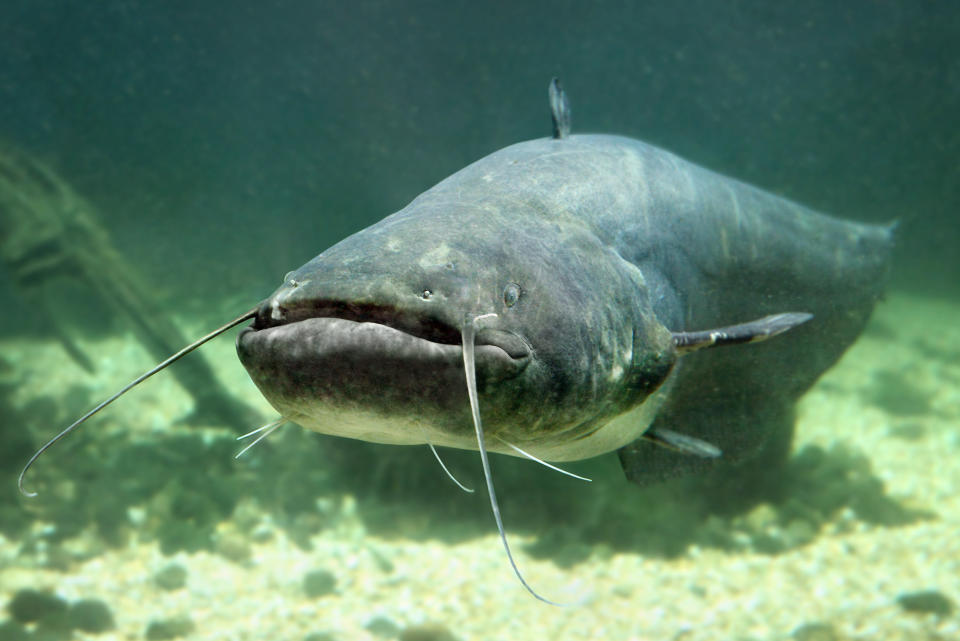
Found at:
[611, 244]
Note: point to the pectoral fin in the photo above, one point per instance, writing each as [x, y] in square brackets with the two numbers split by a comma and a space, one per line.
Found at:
[750, 332]
[681, 443]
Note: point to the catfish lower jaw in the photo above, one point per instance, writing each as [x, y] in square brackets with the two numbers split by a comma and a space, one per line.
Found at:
[326, 337]
[342, 364]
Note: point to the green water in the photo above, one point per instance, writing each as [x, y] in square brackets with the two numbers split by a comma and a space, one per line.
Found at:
[224, 144]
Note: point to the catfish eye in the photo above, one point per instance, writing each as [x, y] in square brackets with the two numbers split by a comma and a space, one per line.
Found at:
[511, 293]
[426, 294]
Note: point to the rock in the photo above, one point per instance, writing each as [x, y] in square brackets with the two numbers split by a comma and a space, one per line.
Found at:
[926, 602]
[427, 632]
[764, 530]
[247, 516]
[320, 636]
[772, 542]
[318, 583]
[717, 532]
[302, 528]
[161, 629]
[90, 615]
[29, 606]
[760, 518]
[799, 532]
[175, 535]
[171, 577]
[816, 631]
[233, 547]
[262, 533]
[190, 509]
[382, 626]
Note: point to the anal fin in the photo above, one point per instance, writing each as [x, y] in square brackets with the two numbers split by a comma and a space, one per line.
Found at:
[681, 443]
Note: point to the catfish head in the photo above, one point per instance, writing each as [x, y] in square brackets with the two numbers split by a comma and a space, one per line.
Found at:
[366, 340]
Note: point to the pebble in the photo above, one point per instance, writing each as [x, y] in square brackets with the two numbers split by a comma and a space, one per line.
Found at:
[29, 606]
[926, 602]
[318, 583]
[90, 615]
[162, 629]
[799, 532]
[171, 577]
[816, 631]
[233, 547]
[427, 632]
[382, 626]
[247, 516]
[761, 518]
[262, 533]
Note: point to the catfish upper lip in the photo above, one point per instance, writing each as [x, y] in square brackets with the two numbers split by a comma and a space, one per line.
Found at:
[421, 326]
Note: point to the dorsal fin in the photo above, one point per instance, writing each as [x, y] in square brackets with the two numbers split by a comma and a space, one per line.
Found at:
[559, 110]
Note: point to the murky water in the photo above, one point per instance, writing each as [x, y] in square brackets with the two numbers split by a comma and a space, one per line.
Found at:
[189, 156]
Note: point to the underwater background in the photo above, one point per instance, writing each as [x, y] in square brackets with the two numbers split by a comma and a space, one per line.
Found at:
[173, 160]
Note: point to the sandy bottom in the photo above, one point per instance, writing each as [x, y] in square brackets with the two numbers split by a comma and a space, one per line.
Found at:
[847, 578]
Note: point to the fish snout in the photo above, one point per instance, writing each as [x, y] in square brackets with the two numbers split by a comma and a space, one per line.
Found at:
[280, 308]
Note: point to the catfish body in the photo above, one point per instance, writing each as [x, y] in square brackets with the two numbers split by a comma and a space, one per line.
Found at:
[592, 250]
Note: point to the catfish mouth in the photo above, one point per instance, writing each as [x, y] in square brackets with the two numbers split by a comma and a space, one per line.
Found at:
[360, 330]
